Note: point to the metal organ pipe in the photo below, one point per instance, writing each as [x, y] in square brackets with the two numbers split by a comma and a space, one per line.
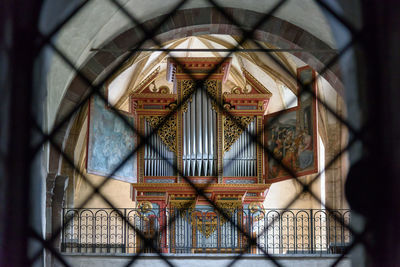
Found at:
[240, 159]
[199, 146]
[154, 164]
[199, 132]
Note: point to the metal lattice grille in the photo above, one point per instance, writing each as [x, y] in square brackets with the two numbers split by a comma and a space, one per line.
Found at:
[122, 217]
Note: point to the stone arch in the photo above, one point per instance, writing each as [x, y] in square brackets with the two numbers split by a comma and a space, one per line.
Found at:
[189, 22]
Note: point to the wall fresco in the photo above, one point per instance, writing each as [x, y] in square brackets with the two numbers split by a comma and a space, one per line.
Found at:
[291, 136]
[110, 142]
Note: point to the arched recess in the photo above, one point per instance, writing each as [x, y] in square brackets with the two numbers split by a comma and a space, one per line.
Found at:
[190, 22]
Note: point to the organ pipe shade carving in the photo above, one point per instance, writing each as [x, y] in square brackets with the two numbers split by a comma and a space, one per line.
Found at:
[189, 85]
[154, 164]
[232, 131]
[241, 158]
[187, 88]
[199, 136]
[167, 131]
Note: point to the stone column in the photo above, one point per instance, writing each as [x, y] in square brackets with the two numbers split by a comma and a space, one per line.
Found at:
[56, 186]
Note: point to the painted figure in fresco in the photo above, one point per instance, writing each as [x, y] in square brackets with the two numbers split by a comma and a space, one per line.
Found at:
[288, 141]
[305, 153]
[278, 151]
[284, 150]
[289, 160]
[293, 147]
[275, 145]
[292, 135]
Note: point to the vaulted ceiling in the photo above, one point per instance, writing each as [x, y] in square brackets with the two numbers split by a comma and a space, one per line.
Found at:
[101, 21]
[282, 86]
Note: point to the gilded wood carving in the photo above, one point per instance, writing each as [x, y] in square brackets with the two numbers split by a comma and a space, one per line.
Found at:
[167, 131]
[188, 88]
[232, 131]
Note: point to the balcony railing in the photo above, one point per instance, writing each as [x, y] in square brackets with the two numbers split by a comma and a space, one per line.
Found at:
[294, 231]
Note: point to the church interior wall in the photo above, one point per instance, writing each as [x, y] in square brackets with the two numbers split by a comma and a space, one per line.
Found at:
[118, 192]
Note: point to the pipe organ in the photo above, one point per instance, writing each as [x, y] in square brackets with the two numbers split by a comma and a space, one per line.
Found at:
[199, 137]
[212, 143]
[241, 158]
[209, 148]
[155, 155]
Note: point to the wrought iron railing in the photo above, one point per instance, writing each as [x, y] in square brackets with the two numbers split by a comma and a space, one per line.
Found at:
[277, 231]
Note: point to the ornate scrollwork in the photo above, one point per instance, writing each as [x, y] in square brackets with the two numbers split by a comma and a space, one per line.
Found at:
[254, 207]
[212, 87]
[236, 90]
[145, 206]
[167, 131]
[206, 226]
[232, 131]
[229, 207]
[148, 81]
[227, 107]
[184, 206]
[164, 90]
[208, 223]
[188, 87]
[257, 210]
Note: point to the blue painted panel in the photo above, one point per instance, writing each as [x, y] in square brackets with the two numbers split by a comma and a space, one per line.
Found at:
[110, 141]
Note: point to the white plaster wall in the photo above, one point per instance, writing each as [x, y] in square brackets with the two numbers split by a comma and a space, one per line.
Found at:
[281, 194]
[118, 192]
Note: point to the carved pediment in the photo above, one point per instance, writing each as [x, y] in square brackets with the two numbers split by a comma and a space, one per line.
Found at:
[253, 99]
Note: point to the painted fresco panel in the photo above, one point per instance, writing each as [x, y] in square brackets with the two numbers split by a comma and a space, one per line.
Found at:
[110, 142]
[291, 136]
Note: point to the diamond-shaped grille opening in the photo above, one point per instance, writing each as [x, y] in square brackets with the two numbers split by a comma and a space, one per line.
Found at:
[312, 230]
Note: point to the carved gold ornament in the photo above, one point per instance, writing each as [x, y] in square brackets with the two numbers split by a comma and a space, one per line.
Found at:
[145, 206]
[147, 81]
[257, 210]
[167, 131]
[188, 88]
[238, 90]
[183, 206]
[212, 86]
[164, 90]
[232, 131]
[229, 207]
[254, 207]
[205, 224]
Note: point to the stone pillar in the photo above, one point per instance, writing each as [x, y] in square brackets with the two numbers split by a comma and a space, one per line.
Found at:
[56, 186]
[60, 186]
[50, 181]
